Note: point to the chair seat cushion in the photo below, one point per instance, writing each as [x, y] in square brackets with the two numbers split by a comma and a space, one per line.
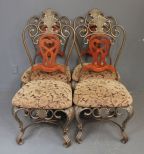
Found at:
[28, 75]
[90, 74]
[101, 93]
[44, 94]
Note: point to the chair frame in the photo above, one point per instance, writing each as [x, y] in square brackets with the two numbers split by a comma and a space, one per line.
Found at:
[48, 18]
[105, 25]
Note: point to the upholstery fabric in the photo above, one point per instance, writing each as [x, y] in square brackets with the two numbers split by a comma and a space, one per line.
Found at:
[101, 93]
[44, 94]
[90, 74]
[28, 75]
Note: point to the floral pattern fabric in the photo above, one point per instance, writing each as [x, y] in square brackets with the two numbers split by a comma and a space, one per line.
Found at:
[101, 93]
[44, 94]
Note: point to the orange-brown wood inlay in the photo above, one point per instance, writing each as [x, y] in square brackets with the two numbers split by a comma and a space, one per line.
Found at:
[49, 47]
[99, 47]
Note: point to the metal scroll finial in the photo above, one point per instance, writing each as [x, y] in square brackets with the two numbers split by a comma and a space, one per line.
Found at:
[50, 20]
[94, 13]
[98, 19]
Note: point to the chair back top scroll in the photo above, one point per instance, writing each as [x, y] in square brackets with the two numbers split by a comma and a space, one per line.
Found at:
[50, 35]
[95, 34]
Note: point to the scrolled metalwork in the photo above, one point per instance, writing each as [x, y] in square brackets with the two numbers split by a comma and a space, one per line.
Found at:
[79, 21]
[99, 112]
[106, 114]
[48, 22]
[38, 116]
[65, 20]
[122, 44]
[71, 29]
[96, 23]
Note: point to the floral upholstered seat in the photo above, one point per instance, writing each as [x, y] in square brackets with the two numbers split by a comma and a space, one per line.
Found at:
[44, 94]
[101, 93]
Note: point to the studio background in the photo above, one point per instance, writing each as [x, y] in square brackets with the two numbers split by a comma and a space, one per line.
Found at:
[13, 61]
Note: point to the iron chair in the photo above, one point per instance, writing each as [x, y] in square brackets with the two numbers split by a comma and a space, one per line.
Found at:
[98, 93]
[46, 95]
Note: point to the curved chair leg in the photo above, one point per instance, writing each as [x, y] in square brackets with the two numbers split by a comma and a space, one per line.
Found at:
[19, 138]
[41, 116]
[37, 120]
[79, 134]
[130, 113]
[44, 116]
[103, 115]
[69, 117]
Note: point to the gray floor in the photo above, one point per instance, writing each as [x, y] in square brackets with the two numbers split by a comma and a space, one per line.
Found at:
[100, 138]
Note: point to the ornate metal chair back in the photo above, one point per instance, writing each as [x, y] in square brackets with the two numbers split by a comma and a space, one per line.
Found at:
[97, 34]
[50, 35]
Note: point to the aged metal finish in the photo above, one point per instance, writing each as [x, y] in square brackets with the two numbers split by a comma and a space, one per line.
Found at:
[38, 116]
[105, 114]
[95, 35]
[48, 23]
[50, 33]
[96, 23]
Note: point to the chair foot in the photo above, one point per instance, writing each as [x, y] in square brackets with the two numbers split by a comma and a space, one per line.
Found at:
[79, 134]
[130, 113]
[67, 141]
[20, 139]
[124, 140]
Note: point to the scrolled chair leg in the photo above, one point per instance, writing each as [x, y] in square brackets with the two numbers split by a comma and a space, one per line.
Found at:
[22, 128]
[130, 113]
[19, 138]
[69, 117]
[79, 134]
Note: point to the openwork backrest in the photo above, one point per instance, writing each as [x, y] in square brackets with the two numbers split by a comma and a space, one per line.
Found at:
[50, 35]
[95, 36]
